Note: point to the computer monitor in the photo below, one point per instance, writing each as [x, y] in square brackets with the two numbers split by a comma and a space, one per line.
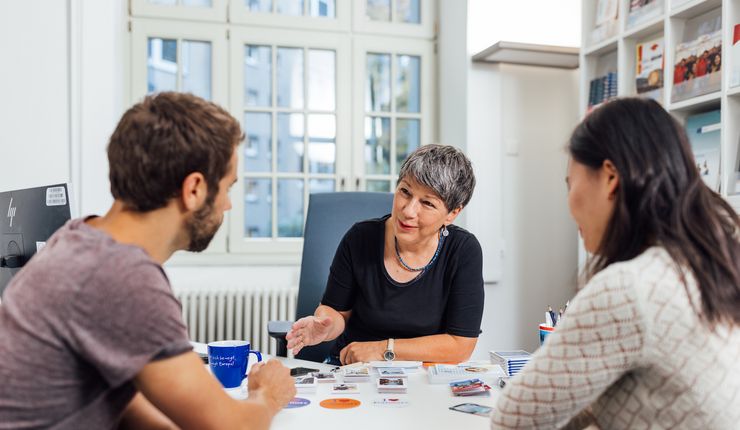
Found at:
[27, 219]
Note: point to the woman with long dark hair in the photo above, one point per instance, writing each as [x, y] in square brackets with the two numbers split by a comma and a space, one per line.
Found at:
[653, 339]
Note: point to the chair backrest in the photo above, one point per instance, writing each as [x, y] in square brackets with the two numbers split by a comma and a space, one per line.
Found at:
[329, 217]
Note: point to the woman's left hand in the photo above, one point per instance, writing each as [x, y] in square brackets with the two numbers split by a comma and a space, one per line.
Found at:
[362, 352]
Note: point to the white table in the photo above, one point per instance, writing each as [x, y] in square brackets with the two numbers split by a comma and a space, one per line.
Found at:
[428, 406]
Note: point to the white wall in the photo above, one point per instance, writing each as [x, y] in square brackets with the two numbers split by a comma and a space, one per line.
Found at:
[34, 94]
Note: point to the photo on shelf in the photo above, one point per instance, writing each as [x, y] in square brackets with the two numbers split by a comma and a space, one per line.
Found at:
[606, 20]
[704, 135]
[649, 65]
[697, 69]
[735, 77]
[642, 11]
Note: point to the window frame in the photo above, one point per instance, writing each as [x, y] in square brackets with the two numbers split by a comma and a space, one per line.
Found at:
[144, 28]
[351, 44]
[375, 44]
[238, 13]
[425, 29]
[285, 248]
[216, 13]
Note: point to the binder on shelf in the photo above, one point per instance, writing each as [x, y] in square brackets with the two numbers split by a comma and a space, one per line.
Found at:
[704, 132]
[698, 66]
[649, 65]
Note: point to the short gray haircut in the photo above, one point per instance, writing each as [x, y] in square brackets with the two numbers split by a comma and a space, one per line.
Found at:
[444, 169]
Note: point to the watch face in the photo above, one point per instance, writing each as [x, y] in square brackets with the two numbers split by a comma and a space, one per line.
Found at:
[389, 355]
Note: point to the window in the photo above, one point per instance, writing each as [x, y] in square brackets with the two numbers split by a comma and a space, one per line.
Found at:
[325, 103]
[286, 89]
[394, 113]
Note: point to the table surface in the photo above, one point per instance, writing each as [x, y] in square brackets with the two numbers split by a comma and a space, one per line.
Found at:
[428, 406]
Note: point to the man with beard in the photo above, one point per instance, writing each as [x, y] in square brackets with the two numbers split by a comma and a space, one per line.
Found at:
[91, 335]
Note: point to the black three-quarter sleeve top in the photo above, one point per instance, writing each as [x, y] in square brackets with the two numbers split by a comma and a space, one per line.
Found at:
[446, 298]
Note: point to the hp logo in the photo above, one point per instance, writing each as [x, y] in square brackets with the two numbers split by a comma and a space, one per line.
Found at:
[11, 211]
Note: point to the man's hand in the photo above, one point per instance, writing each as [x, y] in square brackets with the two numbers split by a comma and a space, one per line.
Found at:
[273, 382]
[308, 331]
[362, 352]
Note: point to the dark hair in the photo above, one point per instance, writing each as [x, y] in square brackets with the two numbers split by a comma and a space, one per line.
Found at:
[164, 138]
[444, 169]
[662, 200]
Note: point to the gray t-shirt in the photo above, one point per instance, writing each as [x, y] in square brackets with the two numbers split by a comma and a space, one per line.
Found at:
[77, 324]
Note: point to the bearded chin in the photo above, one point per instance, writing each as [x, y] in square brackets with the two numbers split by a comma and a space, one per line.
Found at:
[201, 228]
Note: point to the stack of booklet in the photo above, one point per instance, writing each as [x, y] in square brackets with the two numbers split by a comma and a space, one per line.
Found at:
[356, 374]
[470, 387]
[392, 385]
[511, 361]
[392, 372]
[443, 373]
[306, 384]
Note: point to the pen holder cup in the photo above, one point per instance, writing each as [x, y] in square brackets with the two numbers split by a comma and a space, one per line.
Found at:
[545, 331]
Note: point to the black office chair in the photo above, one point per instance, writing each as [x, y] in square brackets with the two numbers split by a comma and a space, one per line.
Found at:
[329, 217]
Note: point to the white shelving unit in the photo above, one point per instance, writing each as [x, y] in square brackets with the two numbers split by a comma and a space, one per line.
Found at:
[617, 53]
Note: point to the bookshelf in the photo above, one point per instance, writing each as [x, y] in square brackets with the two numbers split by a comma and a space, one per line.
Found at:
[613, 48]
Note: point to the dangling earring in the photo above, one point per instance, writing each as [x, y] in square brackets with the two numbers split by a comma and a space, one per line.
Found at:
[445, 233]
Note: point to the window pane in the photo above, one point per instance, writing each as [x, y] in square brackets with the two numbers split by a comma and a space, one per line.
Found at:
[257, 207]
[164, 2]
[407, 139]
[290, 142]
[259, 5]
[378, 85]
[379, 10]
[161, 65]
[258, 145]
[321, 79]
[378, 186]
[290, 7]
[408, 83]
[196, 68]
[377, 145]
[321, 186]
[197, 3]
[408, 11]
[322, 8]
[322, 148]
[257, 75]
[290, 207]
[290, 77]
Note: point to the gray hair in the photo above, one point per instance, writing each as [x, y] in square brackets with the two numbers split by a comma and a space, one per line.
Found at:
[444, 169]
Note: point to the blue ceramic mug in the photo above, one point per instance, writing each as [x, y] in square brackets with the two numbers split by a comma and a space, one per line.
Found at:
[228, 361]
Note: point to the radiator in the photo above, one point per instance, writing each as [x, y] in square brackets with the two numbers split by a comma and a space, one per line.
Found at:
[241, 313]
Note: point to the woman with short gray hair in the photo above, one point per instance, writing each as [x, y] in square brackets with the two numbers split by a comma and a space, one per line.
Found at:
[409, 285]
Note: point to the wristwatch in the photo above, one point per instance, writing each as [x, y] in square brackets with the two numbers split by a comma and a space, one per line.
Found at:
[389, 355]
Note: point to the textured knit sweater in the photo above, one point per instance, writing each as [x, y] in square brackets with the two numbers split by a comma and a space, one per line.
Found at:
[633, 348]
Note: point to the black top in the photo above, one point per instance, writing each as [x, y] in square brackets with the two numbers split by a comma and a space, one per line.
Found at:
[446, 298]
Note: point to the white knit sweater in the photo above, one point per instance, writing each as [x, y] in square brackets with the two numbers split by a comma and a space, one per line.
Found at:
[631, 347]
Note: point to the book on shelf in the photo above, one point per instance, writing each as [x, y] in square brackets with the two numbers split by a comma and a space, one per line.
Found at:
[606, 20]
[698, 66]
[704, 135]
[642, 11]
[602, 89]
[649, 68]
[735, 77]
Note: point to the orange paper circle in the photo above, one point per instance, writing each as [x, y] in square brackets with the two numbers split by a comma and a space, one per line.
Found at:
[340, 403]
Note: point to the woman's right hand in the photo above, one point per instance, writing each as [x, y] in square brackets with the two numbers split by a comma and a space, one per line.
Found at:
[308, 331]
